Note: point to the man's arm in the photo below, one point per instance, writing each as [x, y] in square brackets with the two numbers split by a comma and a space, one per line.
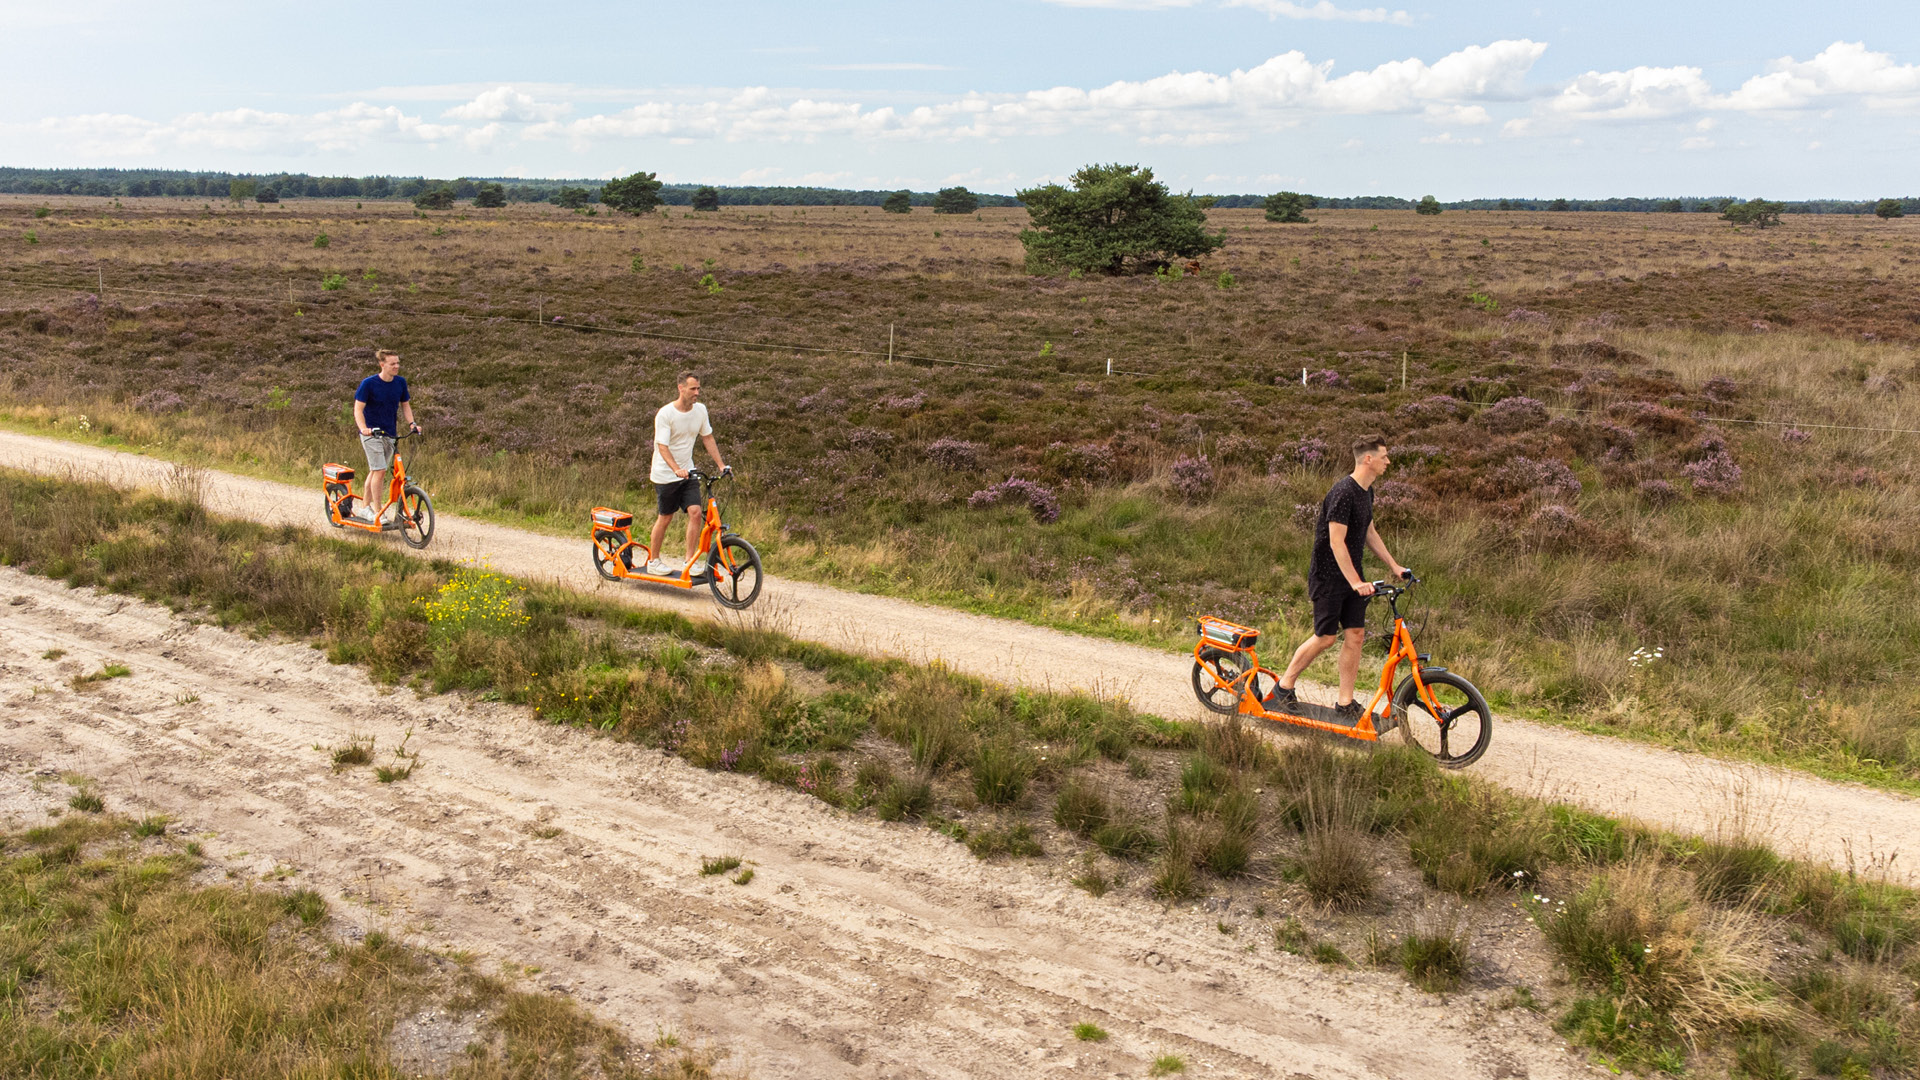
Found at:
[1337, 536]
[666, 455]
[713, 451]
[407, 408]
[1379, 547]
[360, 417]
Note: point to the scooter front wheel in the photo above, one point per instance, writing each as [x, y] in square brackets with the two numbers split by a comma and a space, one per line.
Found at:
[735, 573]
[1461, 731]
[416, 522]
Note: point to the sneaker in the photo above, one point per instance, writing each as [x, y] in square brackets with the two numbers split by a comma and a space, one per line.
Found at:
[392, 515]
[699, 566]
[1350, 712]
[1278, 697]
[660, 567]
[361, 512]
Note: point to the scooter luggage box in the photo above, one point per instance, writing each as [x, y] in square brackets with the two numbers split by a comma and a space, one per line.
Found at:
[337, 474]
[611, 519]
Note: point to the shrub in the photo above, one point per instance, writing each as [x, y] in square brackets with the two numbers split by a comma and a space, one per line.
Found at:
[1174, 878]
[900, 202]
[1044, 504]
[1336, 866]
[477, 601]
[955, 200]
[437, 198]
[706, 200]
[1310, 452]
[904, 799]
[1115, 219]
[1193, 478]
[333, 282]
[1433, 408]
[489, 196]
[954, 455]
[1514, 414]
[1428, 205]
[1658, 492]
[1287, 207]
[1016, 840]
[1548, 479]
[1889, 208]
[1716, 474]
[636, 194]
[1732, 873]
[1125, 838]
[322, 240]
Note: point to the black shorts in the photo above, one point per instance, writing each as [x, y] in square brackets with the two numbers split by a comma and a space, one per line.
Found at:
[1336, 608]
[677, 496]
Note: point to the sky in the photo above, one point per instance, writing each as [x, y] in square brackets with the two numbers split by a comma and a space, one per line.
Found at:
[1333, 97]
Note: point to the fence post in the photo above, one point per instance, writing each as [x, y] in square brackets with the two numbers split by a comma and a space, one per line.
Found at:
[540, 311]
[889, 343]
[1403, 369]
[103, 280]
[1303, 376]
[1109, 365]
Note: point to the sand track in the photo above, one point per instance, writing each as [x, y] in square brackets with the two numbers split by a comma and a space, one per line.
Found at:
[859, 949]
[1801, 814]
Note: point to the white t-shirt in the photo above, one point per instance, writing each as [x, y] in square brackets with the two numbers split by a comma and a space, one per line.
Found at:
[678, 430]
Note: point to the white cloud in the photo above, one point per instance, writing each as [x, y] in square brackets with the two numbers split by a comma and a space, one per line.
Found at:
[1842, 69]
[1697, 142]
[1641, 93]
[504, 103]
[1447, 138]
[1324, 11]
[1457, 114]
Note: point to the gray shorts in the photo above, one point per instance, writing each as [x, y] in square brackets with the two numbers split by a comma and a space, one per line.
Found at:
[379, 450]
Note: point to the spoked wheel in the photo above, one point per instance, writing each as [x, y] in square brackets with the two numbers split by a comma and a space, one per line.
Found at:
[1459, 735]
[416, 522]
[1212, 692]
[329, 508]
[734, 571]
[603, 562]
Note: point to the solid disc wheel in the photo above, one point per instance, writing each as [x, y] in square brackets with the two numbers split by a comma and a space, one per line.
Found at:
[1212, 692]
[1460, 733]
[416, 524]
[602, 563]
[735, 574]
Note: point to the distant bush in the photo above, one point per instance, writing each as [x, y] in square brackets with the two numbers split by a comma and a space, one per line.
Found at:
[955, 200]
[572, 198]
[1428, 205]
[267, 195]
[954, 455]
[1287, 207]
[1193, 478]
[489, 196]
[1514, 414]
[1758, 213]
[1116, 219]
[322, 240]
[900, 202]
[333, 282]
[1889, 208]
[706, 200]
[435, 198]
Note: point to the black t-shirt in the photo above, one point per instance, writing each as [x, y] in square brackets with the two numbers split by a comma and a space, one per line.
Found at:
[1352, 506]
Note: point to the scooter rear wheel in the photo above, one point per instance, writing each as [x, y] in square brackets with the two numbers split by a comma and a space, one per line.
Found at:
[603, 564]
[328, 508]
[1213, 693]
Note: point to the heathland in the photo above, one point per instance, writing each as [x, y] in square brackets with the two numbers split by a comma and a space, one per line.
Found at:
[1659, 470]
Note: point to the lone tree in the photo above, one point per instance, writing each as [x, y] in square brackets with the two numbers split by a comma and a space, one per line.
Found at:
[1889, 208]
[706, 199]
[1560, 205]
[489, 196]
[1116, 219]
[1758, 213]
[267, 195]
[1428, 205]
[439, 197]
[955, 200]
[900, 202]
[241, 190]
[1287, 207]
[573, 198]
[636, 194]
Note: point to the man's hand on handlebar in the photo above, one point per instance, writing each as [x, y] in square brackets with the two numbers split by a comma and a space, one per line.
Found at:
[726, 470]
[1365, 588]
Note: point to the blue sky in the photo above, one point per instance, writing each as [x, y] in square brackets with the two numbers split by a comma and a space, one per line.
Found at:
[1335, 97]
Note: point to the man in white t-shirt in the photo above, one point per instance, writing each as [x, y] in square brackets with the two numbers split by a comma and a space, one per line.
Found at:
[675, 427]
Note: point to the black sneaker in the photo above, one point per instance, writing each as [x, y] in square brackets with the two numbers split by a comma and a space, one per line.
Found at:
[1350, 712]
[1278, 696]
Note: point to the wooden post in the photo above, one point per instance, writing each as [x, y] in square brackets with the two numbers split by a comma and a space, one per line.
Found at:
[889, 343]
[103, 280]
[1403, 369]
[1109, 365]
[1303, 376]
[540, 311]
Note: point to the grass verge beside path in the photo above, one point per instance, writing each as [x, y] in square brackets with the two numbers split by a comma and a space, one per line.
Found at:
[1670, 953]
[1686, 699]
[114, 962]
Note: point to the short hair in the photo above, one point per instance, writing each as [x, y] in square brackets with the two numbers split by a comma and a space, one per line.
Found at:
[380, 355]
[681, 379]
[1367, 444]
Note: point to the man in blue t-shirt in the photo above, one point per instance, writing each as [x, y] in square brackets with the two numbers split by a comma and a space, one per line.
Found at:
[377, 406]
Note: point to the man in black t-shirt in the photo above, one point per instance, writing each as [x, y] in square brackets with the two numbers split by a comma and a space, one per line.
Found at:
[1342, 534]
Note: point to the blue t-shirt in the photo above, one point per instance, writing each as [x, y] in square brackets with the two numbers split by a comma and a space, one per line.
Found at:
[383, 401]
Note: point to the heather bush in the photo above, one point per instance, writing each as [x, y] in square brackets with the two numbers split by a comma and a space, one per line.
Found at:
[1546, 479]
[1433, 409]
[954, 455]
[1658, 492]
[1310, 452]
[1193, 478]
[1715, 474]
[1509, 415]
[1044, 504]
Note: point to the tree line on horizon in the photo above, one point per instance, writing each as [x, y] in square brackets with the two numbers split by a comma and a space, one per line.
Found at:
[140, 183]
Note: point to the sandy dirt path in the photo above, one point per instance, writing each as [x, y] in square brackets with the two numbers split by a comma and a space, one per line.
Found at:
[858, 949]
[1802, 815]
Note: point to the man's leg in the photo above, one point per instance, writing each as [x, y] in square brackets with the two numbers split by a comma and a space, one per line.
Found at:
[659, 535]
[1305, 655]
[1350, 641]
[694, 518]
[374, 495]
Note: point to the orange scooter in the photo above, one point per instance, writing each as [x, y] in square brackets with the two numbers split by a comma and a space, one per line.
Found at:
[733, 567]
[414, 519]
[1436, 710]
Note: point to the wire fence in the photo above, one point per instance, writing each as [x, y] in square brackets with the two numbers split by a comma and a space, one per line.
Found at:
[100, 288]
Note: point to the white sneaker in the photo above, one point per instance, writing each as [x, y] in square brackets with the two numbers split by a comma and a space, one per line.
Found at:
[361, 513]
[392, 515]
[699, 566]
[661, 567]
